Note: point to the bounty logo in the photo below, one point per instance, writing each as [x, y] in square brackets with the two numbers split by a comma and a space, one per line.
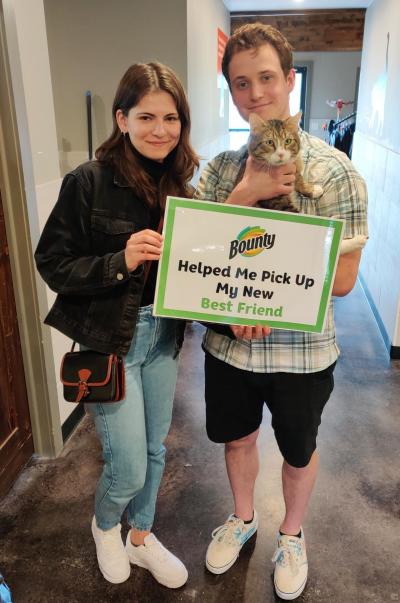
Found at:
[251, 241]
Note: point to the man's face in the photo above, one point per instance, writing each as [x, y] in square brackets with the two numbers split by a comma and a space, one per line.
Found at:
[259, 85]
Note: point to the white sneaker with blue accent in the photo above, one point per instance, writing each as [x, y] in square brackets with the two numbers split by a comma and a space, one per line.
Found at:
[227, 540]
[291, 567]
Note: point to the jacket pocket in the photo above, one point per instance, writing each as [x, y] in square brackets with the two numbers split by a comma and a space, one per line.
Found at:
[109, 234]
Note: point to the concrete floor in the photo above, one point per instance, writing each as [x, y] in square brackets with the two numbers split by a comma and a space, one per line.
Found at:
[352, 529]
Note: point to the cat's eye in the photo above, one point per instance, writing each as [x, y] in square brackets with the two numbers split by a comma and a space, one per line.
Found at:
[288, 140]
[270, 142]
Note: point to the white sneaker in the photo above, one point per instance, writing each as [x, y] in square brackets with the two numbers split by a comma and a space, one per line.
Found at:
[111, 555]
[152, 555]
[227, 540]
[291, 566]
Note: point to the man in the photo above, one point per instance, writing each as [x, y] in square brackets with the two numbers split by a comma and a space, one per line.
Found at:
[291, 372]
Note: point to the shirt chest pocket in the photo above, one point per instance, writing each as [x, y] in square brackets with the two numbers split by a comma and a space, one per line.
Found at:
[109, 234]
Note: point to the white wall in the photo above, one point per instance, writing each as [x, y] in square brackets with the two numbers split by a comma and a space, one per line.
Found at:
[91, 44]
[38, 95]
[209, 110]
[376, 153]
[333, 76]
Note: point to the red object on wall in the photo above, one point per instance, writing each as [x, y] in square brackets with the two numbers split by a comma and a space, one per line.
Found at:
[221, 43]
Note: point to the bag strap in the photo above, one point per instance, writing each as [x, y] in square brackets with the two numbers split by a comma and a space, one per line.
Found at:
[148, 263]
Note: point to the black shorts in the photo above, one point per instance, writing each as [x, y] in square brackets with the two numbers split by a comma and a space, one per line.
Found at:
[235, 400]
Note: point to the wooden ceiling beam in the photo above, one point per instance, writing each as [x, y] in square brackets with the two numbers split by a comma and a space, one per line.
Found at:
[312, 30]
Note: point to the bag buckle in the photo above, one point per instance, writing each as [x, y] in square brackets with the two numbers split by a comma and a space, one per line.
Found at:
[83, 390]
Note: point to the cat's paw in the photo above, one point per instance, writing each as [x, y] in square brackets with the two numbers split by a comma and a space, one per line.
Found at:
[348, 245]
[317, 191]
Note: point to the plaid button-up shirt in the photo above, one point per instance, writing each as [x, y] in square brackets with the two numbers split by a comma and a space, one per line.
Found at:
[345, 197]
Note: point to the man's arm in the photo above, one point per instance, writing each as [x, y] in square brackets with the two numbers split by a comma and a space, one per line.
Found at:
[346, 273]
[345, 196]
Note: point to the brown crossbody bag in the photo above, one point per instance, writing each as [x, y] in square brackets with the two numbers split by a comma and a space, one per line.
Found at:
[90, 376]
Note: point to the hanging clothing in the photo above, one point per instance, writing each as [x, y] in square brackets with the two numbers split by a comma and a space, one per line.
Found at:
[341, 134]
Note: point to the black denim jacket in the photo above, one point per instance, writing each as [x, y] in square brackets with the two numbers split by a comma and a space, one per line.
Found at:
[81, 257]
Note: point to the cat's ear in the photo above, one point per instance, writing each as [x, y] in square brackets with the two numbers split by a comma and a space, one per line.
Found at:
[293, 121]
[255, 122]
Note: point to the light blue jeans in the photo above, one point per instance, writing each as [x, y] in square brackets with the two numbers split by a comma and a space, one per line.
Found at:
[132, 431]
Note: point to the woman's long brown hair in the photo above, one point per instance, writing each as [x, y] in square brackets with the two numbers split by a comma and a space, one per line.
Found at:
[141, 79]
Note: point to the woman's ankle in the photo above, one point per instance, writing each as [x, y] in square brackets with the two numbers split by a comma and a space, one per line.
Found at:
[138, 536]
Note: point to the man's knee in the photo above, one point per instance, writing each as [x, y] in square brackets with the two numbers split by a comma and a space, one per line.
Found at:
[242, 443]
[300, 465]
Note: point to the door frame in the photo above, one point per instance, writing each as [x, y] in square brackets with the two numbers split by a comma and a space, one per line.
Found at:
[307, 68]
[30, 294]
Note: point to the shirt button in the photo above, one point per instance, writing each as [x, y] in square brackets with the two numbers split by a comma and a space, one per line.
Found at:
[120, 276]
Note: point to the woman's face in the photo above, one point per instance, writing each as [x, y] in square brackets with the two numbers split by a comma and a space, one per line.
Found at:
[153, 125]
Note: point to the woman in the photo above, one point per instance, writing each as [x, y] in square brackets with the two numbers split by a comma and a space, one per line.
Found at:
[100, 239]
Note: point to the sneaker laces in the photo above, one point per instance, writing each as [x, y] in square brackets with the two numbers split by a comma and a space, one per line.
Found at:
[230, 532]
[288, 553]
[155, 548]
[112, 538]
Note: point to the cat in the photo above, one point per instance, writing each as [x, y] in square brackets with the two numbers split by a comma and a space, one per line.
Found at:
[274, 143]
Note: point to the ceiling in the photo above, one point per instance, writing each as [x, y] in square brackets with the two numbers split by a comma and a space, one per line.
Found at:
[267, 5]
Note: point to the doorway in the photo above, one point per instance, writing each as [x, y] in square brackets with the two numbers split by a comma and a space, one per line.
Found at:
[16, 443]
[298, 96]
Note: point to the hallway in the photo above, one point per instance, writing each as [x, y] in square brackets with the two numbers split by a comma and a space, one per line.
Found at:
[352, 529]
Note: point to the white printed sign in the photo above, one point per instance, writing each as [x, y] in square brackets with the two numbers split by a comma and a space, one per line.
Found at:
[240, 265]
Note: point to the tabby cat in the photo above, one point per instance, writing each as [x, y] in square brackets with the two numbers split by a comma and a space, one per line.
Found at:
[274, 143]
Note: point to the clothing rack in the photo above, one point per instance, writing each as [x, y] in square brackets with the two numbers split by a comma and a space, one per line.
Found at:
[341, 133]
[345, 118]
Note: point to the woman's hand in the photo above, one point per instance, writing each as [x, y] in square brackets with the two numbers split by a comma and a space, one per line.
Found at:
[260, 183]
[142, 246]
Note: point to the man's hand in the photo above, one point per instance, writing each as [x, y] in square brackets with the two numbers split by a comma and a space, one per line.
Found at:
[247, 332]
[260, 183]
[142, 246]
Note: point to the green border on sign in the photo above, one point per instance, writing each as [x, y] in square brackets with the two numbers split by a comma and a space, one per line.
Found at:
[174, 203]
